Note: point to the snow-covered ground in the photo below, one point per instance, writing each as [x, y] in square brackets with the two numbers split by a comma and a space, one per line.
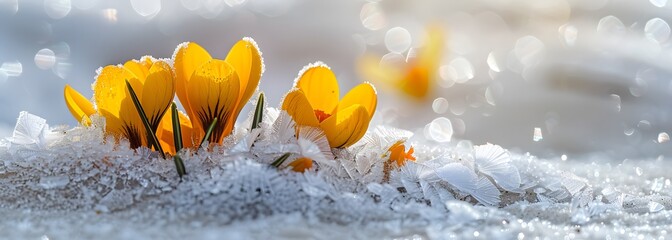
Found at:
[584, 86]
[60, 183]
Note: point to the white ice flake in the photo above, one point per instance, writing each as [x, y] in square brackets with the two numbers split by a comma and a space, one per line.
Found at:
[494, 161]
[314, 144]
[382, 137]
[283, 128]
[486, 192]
[81, 171]
[245, 144]
[30, 131]
[572, 183]
[459, 176]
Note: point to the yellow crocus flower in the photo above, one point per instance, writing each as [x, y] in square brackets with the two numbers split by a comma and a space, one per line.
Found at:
[314, 102]
[210, 88]
[415, 77]
[154, 84]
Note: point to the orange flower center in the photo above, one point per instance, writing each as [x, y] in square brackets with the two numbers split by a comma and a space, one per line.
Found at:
[399, 155]
[301, 164]
[321, 115]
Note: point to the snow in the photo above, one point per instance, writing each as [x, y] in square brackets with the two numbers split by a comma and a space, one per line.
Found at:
[78, 184]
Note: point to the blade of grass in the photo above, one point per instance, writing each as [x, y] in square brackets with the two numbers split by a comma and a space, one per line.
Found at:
[258, 112]
[280, 160]
[177, 138]
[150, 134]
[179, 165]
[209, 132]
[177, 129]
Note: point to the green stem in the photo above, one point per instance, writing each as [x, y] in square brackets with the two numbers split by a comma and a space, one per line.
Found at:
[209, 132]
[177, 138]
[258, 112]
[177, 129]
[280, 160]
[151, 135]
[179, 165]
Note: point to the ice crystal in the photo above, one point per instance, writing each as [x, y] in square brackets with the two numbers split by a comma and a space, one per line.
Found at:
[58, 170]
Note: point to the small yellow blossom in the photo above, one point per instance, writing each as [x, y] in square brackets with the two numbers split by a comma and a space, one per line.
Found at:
[415, 77]
[301, 164]
[154, 84]
[399, 155]
[314, 102]
[211, 88]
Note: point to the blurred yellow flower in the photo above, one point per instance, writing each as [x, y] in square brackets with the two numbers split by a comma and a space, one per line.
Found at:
[415, 77]
[210, 88]
[399, 155]
[154, 84]
[314, 102]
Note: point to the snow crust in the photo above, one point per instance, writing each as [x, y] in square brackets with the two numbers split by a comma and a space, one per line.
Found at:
[78, 184]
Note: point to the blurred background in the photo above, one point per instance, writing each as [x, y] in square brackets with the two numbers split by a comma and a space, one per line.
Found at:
[563, 79]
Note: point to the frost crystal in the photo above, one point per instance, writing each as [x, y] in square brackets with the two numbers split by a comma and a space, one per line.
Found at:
[57, 172]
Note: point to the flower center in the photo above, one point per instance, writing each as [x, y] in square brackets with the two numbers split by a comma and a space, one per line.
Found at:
[301, 164]
[321, 115]
[399, 155]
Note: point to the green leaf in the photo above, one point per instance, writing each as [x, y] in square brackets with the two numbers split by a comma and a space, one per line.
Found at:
[209, 132]
[177, 138]
[177, 129]
[280, 160]
[179, 165]
[151, 136]
[258, 112]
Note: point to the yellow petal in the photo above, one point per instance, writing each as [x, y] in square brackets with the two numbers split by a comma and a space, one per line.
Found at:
[139, 68]
[320, 87]
[301, 164]
[115, 105]
[420, 76]
[363, 94]
[347, 126]
[109, 89]
[417, 81]
[296, 104]
[80, 107]
[430, 54]
[158, 92]
[165, 133]
[213, 91]
[187, 58]
[371, 69]
[245, 57]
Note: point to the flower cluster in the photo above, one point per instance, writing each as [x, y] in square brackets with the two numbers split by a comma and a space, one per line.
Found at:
[213, 92]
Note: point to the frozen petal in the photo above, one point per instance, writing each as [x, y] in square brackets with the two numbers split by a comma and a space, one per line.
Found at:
[187, 58]
[115, 105]
[80, 107]
[247, 60]
[165, 132]
[296, 104]
[363, 94]
[158, 92]
[347, 126]
[320, 87]
[213, 91]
